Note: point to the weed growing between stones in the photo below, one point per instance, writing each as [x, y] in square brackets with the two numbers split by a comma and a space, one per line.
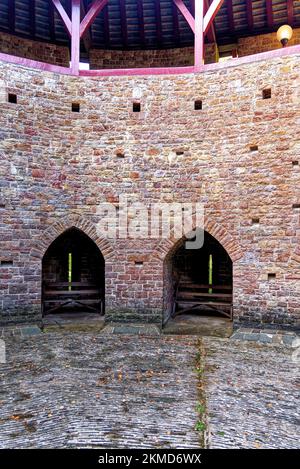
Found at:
[201, 425]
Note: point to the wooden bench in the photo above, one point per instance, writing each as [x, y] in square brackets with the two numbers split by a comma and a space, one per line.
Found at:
[189, 295]
[57, 295]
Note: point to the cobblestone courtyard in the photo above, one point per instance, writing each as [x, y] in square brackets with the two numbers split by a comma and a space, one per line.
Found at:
[79, 389]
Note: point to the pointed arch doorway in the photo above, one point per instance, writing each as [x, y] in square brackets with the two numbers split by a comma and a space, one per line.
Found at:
[198, 281]
[73, 271]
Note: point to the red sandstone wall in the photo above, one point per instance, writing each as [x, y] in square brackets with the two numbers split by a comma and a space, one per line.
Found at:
[263, 43]
[41, 51]
[181, 57]
[57, 166]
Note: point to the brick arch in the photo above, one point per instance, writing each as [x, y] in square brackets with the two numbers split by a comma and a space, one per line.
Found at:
[41, 245]
[166, 247]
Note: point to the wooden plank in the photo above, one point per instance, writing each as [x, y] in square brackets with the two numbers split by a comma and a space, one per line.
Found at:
[230, 16]
[270, 18]
[290, 12]
[70, 292]
[140, 12]
[249, 14]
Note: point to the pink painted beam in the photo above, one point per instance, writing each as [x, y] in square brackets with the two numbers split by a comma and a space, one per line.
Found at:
[95, 8]
[186, 13]
[211, 35]
[75, 37]
[62, 13]
[199, 35]
[211, 13]
[20, 61]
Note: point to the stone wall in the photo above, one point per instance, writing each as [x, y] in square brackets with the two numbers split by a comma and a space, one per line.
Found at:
[181, 57]
[239, 156]
[263, 43]
[35, 50]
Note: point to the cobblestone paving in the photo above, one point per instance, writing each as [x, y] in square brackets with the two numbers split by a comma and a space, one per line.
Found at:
[83, 389]
[252, 395]
[87, 390]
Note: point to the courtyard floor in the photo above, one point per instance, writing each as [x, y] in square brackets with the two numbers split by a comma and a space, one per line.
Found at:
[85, 389]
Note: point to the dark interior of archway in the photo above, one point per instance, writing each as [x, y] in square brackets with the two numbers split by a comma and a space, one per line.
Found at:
[73, 275]
[208, 266]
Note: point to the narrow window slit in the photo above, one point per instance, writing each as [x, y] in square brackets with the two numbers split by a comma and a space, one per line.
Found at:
[253, 147]
[296, 205]
[271, 276]
[139, 263]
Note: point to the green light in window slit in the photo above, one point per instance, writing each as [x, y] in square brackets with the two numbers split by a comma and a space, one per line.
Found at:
[70, 270]
[210, 272]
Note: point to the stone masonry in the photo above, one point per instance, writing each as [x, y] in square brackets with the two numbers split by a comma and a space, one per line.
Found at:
[238, 155]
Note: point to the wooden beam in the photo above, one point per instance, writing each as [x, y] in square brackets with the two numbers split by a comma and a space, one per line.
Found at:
[75, 37]
[175, 24]
[106, 26]
[158, 21]
[140, 12]
[124, 31]
[249, 14]
[94, 9]
[230, 16]
[186, 13]
[32, 17]
[192, 7]
[290, 12]
[62, 13]
[11, 15]
[51, 21]
[199, 35]
[211, 13]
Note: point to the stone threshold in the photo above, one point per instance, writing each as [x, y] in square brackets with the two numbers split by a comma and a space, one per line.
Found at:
[132, 329]
[267, 336]
[22, 330]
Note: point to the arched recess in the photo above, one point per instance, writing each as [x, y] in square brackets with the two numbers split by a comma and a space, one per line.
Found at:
[199, 276]
[73, 274]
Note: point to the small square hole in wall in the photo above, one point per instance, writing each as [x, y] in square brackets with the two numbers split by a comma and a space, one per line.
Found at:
[2, 205]
[296, 205]
[75, 107]
[179, 152]
[253, 147]
[271, 276]
[266, 94]
[138, 263]
[295, 163]
[255, 221]
[120, 154]
[12, 98]
[198, 105]
[136, 107]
